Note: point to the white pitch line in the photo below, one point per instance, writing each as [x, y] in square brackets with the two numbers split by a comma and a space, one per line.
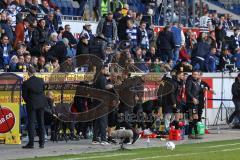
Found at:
[189, 154]
[222, 145]
[226, 150]
[103, 156]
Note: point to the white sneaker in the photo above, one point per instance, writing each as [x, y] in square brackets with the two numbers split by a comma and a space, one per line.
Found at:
[104, 143]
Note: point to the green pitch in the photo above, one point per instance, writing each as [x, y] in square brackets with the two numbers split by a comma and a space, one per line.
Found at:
[221, 150]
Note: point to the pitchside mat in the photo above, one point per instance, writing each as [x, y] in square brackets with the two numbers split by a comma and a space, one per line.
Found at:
[221, 150]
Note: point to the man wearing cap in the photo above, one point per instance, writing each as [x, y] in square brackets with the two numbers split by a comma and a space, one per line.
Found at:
[108, 28]
[236, 99]
[33, 95]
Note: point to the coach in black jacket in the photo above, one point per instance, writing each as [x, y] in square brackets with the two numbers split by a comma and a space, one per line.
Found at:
[193, 90]
[236, 98]
[33, 95]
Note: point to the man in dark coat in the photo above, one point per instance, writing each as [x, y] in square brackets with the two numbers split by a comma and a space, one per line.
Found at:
[165, 44]
[67, 34]
[193, 91]
[236, 99]
[33, 95]
[82, 46]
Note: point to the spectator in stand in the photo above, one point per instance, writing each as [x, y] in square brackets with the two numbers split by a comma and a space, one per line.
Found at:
[13, 64]
[51, 23]
[5, 52]
[118, 15]
[138, 20]
[34, 61]
[20, 66]
[23, 6]
[53, 38]
[3, 4]
[122, 26]
[41, 50]
[59, 50]
[143, 40]
[205, 22]
[108, 28]
[12, 12]
[152, 54]
[225, 58]
[60, 33]
[87, 32]
[28, 4]
[191, 40]
[200, 51]
[55, 64]
[20, 49]
[132, 34]
[6, 27]
[45, 7]
[41, 64]
[183, 55]
[67, 34]
[177, 35]
[165, 44]
[27, 60]
[234, 43]
[212, 39]
[40, 34]
[125, 10]
[184, 66]
[236, 58]
[212, 60]
[32, 16]
[67, 66]
[58, 16]
[21, 32]
[83, 46]
[38, 7]
[169, 65]
[220, 33]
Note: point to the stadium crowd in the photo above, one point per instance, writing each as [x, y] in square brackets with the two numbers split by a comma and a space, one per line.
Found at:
[44, 43]
[123, 37]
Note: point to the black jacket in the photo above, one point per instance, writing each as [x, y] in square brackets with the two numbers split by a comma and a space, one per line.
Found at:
[166, 98]
[178, 86]
[82, 48]
[70, 37]
[97, 47]
[193, 89]
[236, 90]
[165, 41]
[59, 50]
[33, 93]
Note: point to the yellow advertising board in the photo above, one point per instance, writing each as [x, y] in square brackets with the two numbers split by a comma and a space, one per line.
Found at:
[9, 123]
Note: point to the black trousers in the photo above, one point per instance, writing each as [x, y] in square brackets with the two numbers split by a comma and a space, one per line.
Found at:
[35, 114]
[236, 113]
[99, 128]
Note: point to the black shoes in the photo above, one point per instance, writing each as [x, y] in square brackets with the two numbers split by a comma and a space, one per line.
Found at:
[28, 146]
[41, 146]
[136, 137]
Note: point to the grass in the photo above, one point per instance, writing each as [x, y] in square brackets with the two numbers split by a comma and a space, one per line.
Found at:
[221, 150]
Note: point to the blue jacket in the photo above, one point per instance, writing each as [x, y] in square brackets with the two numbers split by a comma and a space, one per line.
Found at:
[177, 35]
[211, 62]
[237, 61]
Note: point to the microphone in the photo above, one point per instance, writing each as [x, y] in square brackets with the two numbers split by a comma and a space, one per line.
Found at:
[122, 134]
